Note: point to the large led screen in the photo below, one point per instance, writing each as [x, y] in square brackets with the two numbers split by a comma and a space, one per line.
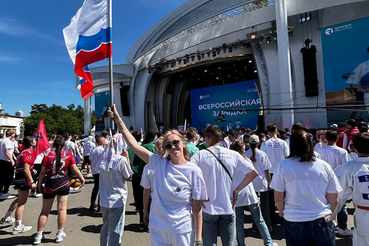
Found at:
[233, 106]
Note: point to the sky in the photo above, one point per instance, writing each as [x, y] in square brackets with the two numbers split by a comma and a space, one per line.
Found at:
[35, 67]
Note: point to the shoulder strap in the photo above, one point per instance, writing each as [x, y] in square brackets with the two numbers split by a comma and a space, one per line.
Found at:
[221, 163]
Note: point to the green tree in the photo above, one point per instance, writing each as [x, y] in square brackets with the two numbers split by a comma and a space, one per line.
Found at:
[58, 120]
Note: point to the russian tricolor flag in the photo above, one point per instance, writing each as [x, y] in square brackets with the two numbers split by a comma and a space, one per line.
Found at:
[89, 39]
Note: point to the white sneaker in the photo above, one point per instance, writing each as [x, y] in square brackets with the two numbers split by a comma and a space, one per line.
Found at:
[275, 244]
[346, 232]
[37, 195]
[335, 225]
[7, 220]
[5, 196]
[20, 229]
[59, 238]
[89, 175]
[39, 239]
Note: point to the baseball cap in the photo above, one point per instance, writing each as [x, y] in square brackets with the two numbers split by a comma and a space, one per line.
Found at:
[254, 139]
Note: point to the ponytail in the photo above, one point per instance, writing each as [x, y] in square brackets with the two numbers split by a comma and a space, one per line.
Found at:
[253, 147]
[58, 145]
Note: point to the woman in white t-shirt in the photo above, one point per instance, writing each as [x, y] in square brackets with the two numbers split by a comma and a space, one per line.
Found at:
[305, 191]
[175, 216]
[261, 183]
[247, 198]
[147, 181]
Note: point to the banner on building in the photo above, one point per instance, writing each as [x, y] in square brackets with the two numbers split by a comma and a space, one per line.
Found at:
[234, 105]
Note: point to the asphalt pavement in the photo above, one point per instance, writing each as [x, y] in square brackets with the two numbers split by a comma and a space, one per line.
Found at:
[83, 226]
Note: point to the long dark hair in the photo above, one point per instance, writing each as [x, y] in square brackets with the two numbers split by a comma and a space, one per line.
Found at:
[301, 146]
[27, 142]
[58, 145]
[253, 147]
[237, 146]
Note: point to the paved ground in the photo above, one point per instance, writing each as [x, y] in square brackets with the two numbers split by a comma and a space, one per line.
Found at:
[83, 226]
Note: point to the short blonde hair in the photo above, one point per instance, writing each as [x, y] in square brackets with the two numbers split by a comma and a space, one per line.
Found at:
[9, 132]
[159, 147]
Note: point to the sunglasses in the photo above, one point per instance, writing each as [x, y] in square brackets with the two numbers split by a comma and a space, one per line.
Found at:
[169, 145]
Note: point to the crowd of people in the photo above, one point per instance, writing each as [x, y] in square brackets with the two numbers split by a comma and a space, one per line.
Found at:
[188, 186]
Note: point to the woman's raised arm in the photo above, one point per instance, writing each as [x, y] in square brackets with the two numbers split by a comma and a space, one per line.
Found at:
[131, 141]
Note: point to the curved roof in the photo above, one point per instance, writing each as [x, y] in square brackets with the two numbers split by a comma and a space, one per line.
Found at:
[190, 13]
[195, 11]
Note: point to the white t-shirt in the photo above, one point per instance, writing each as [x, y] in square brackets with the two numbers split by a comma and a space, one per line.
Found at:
[247, 195]
[113, 186]
[261, 165]
[354, 179]
[69, 146]
[147, 178]
[306, 185]
[174, 188]
[276, 149]
[94, 158]
[89, 145]
[238, 124]
[360, 76]
[6, 144]
[317, 155]
[318, 146]
[353, 155]
[334, 155]
[218, 183]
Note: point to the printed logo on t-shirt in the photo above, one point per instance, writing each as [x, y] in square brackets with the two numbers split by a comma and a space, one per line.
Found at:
[364, 178]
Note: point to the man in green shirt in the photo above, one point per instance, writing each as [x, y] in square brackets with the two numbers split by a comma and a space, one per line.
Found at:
[139, 165]
[191, 135]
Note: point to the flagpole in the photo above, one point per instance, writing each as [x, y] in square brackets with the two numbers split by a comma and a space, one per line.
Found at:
[111, 63]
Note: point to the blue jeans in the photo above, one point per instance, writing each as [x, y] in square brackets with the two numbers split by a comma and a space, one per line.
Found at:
[316, 232]
[259, 221]
[113, 226]
[226, 225]
[342, 217]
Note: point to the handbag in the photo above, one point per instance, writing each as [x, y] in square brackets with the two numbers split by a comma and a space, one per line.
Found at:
[221, 163]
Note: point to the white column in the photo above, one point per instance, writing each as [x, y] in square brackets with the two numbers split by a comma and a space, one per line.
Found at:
[284, 63]
[87, 118]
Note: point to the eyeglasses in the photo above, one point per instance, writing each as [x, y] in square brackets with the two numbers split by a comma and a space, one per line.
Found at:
[169, 145]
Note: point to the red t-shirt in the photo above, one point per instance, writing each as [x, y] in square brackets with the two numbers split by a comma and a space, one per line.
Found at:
[66, 160]
[26, 156]
[351, 133]
[340, 135]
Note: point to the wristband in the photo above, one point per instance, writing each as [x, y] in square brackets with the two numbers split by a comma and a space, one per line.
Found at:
[198, 242]
[33, 182]
[145, 211]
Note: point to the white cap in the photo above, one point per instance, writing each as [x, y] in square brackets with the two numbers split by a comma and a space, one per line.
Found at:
[254, 139]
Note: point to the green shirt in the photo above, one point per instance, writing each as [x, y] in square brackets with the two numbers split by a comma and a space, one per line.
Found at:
[203, 146]
[140, 164]
[192, 149]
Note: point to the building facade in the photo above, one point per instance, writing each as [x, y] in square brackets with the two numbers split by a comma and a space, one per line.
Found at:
[207, 43]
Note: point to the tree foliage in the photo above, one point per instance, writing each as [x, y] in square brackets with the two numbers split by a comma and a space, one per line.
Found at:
[58, 120]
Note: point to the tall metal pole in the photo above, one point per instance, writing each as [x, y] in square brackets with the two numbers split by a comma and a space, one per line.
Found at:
[284, 63]
[111, 79]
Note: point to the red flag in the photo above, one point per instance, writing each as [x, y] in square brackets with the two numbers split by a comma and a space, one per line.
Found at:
[41, 139]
